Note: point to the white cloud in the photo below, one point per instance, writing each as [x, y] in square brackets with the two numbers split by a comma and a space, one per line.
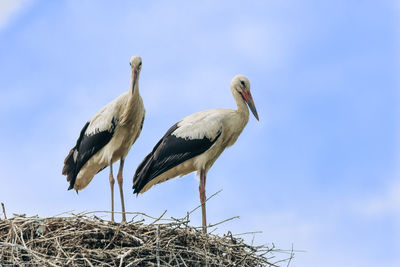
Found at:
[9, 9]
[386, 204]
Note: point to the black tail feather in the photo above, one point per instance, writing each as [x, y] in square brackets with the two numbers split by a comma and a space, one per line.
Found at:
[69, 168]
[70, 165]
[141, 176]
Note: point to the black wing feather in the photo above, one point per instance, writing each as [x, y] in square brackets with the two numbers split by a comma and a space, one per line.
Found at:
[86, 146]
[169, 152]
[69, 162]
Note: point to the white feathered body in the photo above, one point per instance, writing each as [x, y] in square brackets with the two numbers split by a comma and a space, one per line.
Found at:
[228, 123]
[129, 120]
[195, 143]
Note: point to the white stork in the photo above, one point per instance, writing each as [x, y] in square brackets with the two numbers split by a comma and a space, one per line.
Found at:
[106, 138]
[194, 143]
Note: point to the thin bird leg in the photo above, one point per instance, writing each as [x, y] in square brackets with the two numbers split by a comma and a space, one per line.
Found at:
[202, 191]
[121, 191]
[112, 182]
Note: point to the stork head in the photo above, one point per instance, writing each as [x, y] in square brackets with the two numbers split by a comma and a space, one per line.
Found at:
[136, 65]
[241, 84]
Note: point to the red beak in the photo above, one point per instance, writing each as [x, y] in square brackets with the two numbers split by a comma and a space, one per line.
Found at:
[249, 101]
[134, 78]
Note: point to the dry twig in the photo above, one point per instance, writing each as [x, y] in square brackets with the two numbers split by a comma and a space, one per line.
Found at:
[4, 211]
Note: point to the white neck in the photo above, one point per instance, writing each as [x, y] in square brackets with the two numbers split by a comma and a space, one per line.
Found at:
[134, 91]
[133, 98]
[242, 108]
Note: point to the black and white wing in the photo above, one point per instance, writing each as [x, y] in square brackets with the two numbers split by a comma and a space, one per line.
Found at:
[94, 136]
[186, 139]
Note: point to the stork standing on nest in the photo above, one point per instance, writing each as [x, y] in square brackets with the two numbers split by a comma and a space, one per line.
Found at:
[106, 138]
[195, 143]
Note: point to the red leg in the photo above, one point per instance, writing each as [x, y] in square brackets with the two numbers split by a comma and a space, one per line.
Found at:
[112, 182]
[202, 191]
[121, 191]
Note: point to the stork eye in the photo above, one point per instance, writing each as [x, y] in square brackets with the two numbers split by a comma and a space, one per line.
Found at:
[243, 84]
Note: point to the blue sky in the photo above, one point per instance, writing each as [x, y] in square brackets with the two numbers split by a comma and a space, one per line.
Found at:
[320, 170]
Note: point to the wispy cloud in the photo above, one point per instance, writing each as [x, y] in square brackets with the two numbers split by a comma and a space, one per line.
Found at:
[9, 9]
[386, 203]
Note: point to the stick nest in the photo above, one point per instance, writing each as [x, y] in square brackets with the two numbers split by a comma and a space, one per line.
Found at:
[91, 241]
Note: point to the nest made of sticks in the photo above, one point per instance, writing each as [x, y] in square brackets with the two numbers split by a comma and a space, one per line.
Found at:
[88, 240]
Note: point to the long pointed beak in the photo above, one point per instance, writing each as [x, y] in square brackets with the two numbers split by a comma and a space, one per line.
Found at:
[134, 78]
[250, 102]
